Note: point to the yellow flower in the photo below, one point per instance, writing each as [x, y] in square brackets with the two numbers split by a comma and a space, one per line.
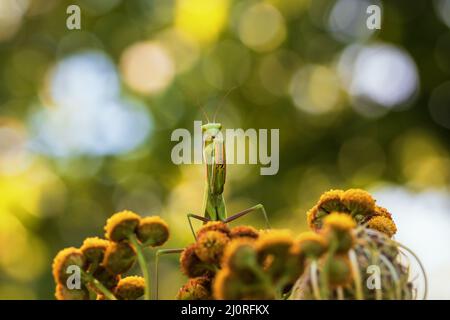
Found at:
[359, 203]
[239, 255]
[312, 244]
[63, 293]
[331, 200]
[338, 229]
[311, 218]
[225, 285]
[119, 257]
[214, 226]
[244, 232]
[195, 289]
[191, 265]
[94, 249]
[276, 242]
[210, 246]
[339, 221]
[380, 211]
[382, 224]
[130, 288]
[153, 231]
[121, 225]
[64, 259]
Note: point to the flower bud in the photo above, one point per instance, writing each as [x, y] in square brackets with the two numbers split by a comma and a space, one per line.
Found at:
[63, 260]
[195, 289]
[121, 225]
[312, 244]
[130, 288]
[382, 224]
[153, 231]
[191, 265]
[338, 227]
[64, 293]
[244, 232]
[210, 246]
[94, 249]
[119, 257]
[359, 203]
[214, 226]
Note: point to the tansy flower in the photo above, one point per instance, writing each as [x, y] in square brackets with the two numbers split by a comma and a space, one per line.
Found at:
[64, 259]
[359, 203]
[273, 252]
[339, 221]
[244, 232]
[277, 242]
[121, 225]
[94, 249]
[239, 255]
[312, 218]
[210, 246]
[195, 289]
[130, 288]
[339, 271]
[338, 230]
[331, 201]
[225, 285]
[119, 257]
[380, 211]
[63, 293]
[382, 224]
[312, 244]
[191, 265]
[153, 231]
[214, 226]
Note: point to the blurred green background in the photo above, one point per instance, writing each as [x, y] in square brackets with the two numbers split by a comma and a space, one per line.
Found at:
[86, 117]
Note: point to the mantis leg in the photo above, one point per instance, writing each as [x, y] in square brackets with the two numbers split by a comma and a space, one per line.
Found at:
[190, 216]
[160, 253]
[259, 207]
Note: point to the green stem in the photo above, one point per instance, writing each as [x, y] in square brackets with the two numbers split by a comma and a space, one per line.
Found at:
[143, 265]
[97, 284]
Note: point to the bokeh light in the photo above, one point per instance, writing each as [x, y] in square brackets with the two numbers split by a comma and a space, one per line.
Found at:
[204, 20]
[147, 67]
[315, 89]
[261, 27]
[347, 20]
[382, 74]
[84, 93]
[11, 14]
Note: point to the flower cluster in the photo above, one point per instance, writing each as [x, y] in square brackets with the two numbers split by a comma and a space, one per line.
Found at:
[357, 203]
[103, 262]
[349, 235]
[201, 260]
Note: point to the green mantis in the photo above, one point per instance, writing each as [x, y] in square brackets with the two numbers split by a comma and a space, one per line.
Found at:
[214, 208]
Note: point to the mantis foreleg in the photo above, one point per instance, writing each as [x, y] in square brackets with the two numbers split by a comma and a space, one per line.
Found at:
[191, 215]
[259, 207]
[160, 253]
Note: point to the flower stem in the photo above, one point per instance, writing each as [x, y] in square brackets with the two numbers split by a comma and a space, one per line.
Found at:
[97, 284]
[143, 265]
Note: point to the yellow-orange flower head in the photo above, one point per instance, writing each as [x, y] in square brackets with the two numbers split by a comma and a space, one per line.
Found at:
[153, 231]
[382, 224]
[63, 260]
[121, 225]
[210, 246]
[130, 288]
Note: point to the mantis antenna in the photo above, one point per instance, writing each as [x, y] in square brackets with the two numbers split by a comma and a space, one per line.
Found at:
[222, 101]
[203, 110]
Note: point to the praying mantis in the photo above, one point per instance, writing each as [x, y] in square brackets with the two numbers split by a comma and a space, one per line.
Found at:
[214, 208]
